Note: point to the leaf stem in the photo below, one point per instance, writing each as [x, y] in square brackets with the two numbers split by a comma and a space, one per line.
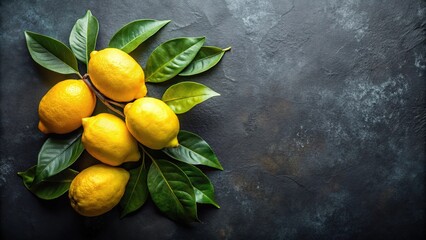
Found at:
[226, 49]
[116, 104]
[102, 98]
[79, 75]
[146, 152]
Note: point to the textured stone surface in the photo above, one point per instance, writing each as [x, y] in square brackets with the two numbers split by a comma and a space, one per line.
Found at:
[320, 125]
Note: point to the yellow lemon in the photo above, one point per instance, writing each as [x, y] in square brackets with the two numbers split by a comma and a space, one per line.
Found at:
[64, 105]
[116, 75]
[106, 138]
[152, 122]
[97, 189]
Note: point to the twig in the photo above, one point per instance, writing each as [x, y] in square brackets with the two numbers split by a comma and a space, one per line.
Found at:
[116, 103]
[101, 97]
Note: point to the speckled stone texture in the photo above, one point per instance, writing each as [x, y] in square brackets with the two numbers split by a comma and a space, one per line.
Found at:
[320, 125]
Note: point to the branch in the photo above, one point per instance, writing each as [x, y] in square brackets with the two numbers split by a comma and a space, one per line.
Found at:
[102, 98]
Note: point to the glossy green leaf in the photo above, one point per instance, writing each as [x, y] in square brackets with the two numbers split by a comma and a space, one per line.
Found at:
[183, 96]
[171, 57]
[194, 150]
[51, 53]
[28, 176]
[83, 37]
[171, 191]
[205, 59]
[57, 154]
[136, 190]
[50, 188]
[131, 35]
[203, 188]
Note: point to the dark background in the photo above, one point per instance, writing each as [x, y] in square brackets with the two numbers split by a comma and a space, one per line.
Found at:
[320, 125]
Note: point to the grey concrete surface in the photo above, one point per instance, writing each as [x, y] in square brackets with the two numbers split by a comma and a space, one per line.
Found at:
[320, 125]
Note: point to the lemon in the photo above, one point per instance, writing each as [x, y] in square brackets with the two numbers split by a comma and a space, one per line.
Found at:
[116, 75]
[64, 105]
[106, 138]
[97, 189]
[152, 122]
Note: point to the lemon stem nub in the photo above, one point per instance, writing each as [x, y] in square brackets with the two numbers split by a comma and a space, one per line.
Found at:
[174, 143]
[42, 128]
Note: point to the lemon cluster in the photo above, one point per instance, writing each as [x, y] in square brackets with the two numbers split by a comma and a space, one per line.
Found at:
[113, 141]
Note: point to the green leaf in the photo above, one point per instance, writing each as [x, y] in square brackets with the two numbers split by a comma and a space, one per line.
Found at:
[131, 35]
[51, 53]
[28, 176]
[203, 188]
[171, 57]
[57, 154]
[50, 188]
[172, 191]
[194, 150]
[205, 59]
[83, 37]
[136, 190]
[183, 96]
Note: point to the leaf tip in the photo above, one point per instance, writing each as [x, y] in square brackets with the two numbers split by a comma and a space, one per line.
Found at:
[123, 214]
[27, 34]
[201, 38]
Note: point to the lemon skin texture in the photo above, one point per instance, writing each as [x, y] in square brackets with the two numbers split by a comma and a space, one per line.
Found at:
[116, 75]
[97, 189]
[64, 105]
[152, 122]
[106, 138]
